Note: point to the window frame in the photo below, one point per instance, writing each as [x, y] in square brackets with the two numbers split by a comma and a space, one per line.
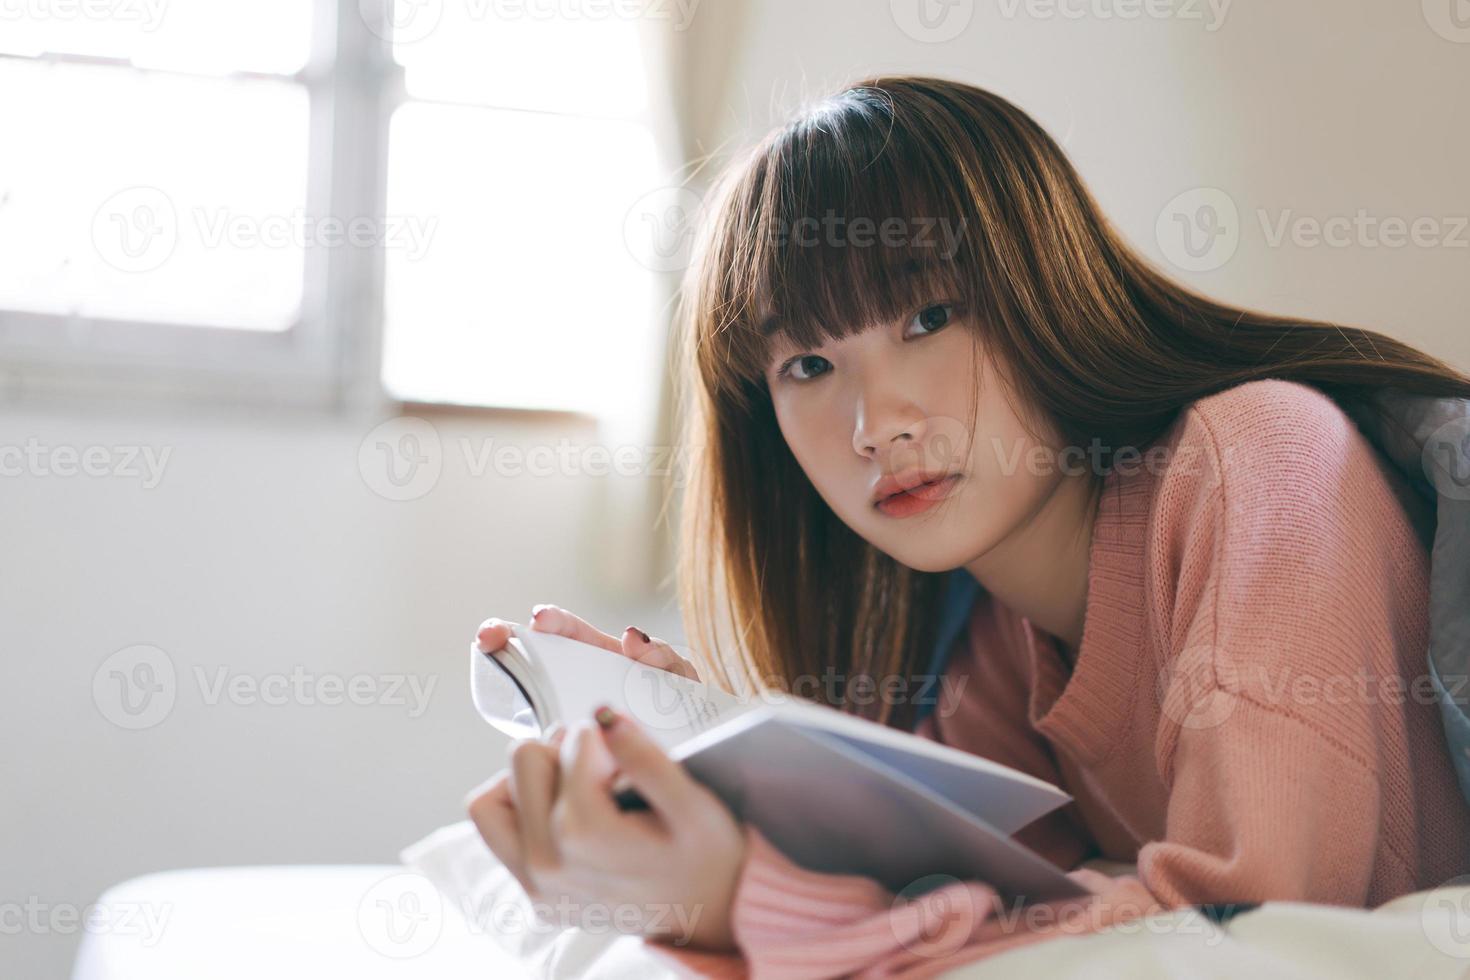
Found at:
[328, 357]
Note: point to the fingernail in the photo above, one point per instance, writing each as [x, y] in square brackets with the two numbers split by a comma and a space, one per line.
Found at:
[605, 716]
[641, 635]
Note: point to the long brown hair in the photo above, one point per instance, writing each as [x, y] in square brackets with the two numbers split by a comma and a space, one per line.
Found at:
[773, 586]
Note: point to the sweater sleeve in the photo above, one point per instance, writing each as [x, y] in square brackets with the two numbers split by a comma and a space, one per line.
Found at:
[1291, 622]
[796, 924]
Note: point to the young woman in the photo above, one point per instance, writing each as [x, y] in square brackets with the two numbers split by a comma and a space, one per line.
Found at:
[916, 347]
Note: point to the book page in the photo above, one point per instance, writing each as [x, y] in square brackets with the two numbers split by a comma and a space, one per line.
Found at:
[579, 678]
[502, 690]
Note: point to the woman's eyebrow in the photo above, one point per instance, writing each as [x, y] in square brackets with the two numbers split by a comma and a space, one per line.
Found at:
[779, 347]
[923, 274]
[930, 270]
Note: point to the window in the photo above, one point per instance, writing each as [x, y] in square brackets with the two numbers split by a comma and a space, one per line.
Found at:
[523, 141]
[295, 197]
[156, 154]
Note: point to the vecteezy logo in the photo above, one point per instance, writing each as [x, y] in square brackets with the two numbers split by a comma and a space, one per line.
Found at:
[136, 230]
[1194, 689]
[659, 228]
[662, 701]
[945, 446]
[931, 918]
[401, 459]
[1445, 917]
[401, 916]
[1450, 19]
[401, 21]
[135, 688]
[1446, 458]
[932, 21]
[1199, 230]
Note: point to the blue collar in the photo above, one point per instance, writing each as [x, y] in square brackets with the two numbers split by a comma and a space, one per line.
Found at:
[960, 592]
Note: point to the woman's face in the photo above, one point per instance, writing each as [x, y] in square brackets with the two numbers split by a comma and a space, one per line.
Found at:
[887, 407]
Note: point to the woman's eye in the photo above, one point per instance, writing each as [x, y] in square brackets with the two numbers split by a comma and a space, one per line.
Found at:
[807, 366]
[931, 319]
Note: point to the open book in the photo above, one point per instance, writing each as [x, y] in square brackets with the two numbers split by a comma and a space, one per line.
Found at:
[834, 792]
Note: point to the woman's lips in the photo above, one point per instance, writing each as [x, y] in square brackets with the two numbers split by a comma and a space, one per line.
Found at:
[918, 499]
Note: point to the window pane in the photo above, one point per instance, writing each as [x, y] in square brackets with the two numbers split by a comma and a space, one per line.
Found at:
[534, 54]
[527, 294]
[154, 197]
[208, 36]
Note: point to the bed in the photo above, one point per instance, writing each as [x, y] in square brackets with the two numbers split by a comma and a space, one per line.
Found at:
[451, 911]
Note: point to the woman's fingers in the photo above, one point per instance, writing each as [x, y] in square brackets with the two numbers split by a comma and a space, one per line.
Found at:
[635, 644]
[670, 791]
[493, 634]
[587, 771]
[492, 810]
[654, 652]
[554, 619]
[533, 786]
[494, 816]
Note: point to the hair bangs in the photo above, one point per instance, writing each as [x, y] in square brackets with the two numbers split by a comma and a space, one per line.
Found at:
[847, 221]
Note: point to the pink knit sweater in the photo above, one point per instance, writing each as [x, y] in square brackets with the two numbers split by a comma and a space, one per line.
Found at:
[1248, 717]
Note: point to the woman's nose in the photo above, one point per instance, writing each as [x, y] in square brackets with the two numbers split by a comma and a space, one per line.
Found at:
[883, 418]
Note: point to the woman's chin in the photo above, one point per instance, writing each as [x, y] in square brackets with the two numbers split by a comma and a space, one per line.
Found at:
[933, 545]
[934, 559]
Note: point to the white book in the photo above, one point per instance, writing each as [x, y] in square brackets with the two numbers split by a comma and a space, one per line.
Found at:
[834, 792]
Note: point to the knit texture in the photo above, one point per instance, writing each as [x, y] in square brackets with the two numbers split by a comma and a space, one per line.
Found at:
[1247, 718]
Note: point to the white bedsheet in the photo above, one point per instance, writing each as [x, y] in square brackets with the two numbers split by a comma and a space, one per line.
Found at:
[365, 922]
[454, 913]
[1425, 936]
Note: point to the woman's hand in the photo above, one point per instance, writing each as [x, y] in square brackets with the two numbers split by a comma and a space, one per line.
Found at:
[669, 872]
[634, 643]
